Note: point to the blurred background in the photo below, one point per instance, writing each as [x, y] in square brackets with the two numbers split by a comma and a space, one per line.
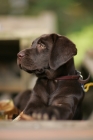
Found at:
[21, 21]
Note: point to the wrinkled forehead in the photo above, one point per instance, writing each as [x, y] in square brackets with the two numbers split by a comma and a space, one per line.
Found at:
[47, 36]
[39, 38]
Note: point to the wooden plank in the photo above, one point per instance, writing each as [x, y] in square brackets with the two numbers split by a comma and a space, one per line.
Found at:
[47, 130]
[11, 88]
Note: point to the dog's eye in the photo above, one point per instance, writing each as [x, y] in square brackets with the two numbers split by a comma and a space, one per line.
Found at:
[42, 45]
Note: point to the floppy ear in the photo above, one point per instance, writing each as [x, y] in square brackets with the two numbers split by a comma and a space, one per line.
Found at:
[62, 51]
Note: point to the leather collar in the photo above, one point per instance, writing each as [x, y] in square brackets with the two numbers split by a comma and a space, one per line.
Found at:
[68, 77]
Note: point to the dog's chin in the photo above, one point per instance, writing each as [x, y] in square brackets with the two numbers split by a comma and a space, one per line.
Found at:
[37, 72]
[25, 69]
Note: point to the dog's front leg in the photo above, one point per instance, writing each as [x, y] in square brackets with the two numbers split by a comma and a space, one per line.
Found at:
[54, 113]
[59, 109]
[35, 104]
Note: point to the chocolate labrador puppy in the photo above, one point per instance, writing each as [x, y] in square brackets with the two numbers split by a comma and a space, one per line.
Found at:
[58, 93]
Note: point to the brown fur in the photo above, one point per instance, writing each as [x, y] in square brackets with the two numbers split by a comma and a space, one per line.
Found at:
[50, 57]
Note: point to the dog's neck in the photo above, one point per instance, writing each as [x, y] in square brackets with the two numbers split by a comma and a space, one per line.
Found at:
[64, 70]
[70, 67]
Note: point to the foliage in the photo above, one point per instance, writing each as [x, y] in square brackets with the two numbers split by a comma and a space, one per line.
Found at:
[83, 41]
[74, 18]
[72, 15]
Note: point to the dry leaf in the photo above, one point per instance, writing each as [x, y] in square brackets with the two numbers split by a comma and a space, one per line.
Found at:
[23, 116]
[7, 109]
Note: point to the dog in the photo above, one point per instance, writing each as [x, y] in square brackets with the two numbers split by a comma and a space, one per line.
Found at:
[58, 92]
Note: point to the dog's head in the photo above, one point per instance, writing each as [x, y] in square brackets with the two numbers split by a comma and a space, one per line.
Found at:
[49, 51]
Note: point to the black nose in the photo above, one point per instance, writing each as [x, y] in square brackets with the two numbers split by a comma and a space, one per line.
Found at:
[20, 54]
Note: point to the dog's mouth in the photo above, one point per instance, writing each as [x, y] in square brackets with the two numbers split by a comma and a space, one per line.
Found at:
[25, 69]
[38, 72]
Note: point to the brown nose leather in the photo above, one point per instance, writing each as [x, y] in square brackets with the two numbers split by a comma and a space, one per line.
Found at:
[20, 55]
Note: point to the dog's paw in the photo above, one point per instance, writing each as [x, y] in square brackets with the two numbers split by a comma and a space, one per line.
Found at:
[48, 114]
[45, 116]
